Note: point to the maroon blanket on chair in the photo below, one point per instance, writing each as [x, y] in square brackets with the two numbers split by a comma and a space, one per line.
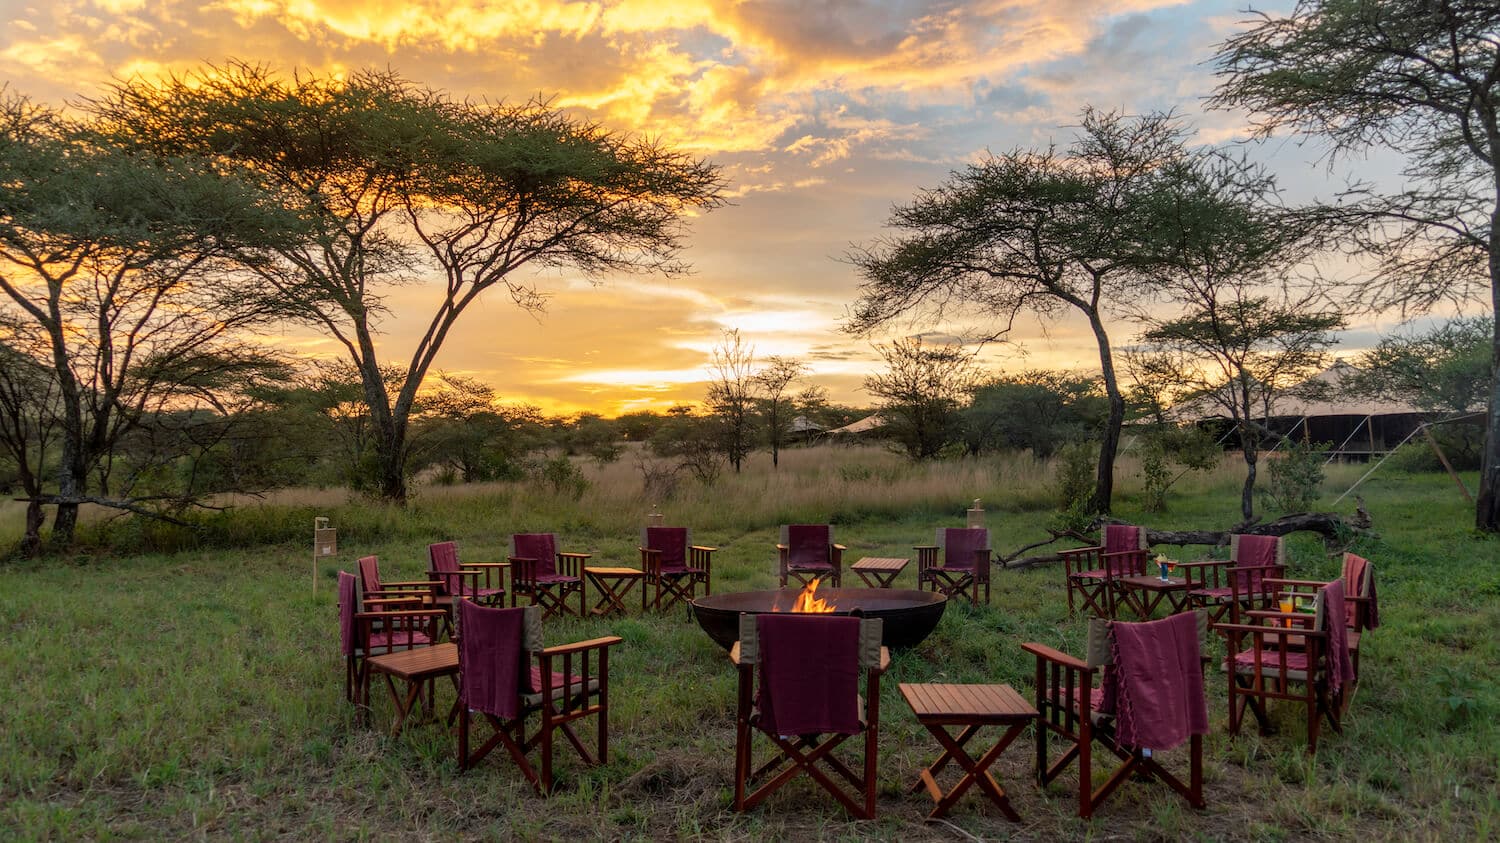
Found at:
[1257, 551]
[1340, 663]
[1356, 569]
[1122, 538]
[809, 674]
[1158, 682]
[490, 659]
[539, 546]
[672, 542]
[346, 612]
[962, 544]
[807, 545]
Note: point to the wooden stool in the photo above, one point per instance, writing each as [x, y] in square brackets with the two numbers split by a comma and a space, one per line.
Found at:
[972, 707]
[879, 572]
[613, 584]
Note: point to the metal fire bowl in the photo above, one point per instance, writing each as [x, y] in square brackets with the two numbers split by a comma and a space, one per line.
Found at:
[909, 616]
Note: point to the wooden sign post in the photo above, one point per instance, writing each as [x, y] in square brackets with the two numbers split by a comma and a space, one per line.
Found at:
[325, 544]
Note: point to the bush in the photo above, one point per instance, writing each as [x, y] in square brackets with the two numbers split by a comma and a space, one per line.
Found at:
[1293, 480]
[563, 477]
[1074, 479]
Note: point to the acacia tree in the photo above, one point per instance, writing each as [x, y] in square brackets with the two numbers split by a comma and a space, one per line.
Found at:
[922, 393]
[1239, 352]
[731, 397]
[1033, 231]
[114, 277]
[403, 185]
[28, 430]
[1418, 76]
[776, 406]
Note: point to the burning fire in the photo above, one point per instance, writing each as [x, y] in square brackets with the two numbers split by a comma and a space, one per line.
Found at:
[808, 602]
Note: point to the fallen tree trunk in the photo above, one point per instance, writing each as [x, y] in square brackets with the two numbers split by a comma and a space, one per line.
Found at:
[1337, 532]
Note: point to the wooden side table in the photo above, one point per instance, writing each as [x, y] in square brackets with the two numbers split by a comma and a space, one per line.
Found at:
[972, 707]
[613, 584]
[1143, 594]
[416, 667]
[879, 572]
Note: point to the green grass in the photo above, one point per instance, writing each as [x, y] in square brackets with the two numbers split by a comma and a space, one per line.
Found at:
[199, 693]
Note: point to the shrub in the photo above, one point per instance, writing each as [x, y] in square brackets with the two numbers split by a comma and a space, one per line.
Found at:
[1075, 474]
[563, 477]
[1294, 479]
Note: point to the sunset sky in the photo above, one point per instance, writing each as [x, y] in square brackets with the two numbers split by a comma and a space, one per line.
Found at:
[822, 114]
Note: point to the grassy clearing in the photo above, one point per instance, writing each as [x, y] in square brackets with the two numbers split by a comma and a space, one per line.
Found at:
[200, 692]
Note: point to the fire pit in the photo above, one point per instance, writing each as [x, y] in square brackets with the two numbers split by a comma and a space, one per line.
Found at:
[909, 616]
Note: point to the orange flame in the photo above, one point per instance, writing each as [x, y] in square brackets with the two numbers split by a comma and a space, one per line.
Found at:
[808, 602]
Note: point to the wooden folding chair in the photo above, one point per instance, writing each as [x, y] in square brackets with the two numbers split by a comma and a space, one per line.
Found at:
[384, 625]
[505, 675]
[808, 704]
[674, 566]
[807, 552]
[372, 587]
[1225, 587]
[482, 582]
[964, 554]
[1090, 573]
[1291, 656]
[1080, 713]
[546, 575]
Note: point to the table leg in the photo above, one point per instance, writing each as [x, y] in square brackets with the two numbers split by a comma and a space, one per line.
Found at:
[975, 771]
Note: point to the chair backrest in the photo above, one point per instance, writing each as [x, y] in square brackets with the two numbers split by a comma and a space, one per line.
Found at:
[1248, 551]
[348, 596]
[807, 543]
[539, 546]
[809, 668]
[369, 573]
[673, 543]
[1119, 538]
[1330, 615]
[493, 648]
[442, 557]
[1099, 651]
[961, 544]
[1157, 685]
[1359, 581]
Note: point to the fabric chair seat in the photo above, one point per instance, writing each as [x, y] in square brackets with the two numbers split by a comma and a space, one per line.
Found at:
[555, 578]
[1096, 574]
[810, 566]
[1224, 593]
[680, 570]
[400, 638]
[1270, 664]
[561, 684]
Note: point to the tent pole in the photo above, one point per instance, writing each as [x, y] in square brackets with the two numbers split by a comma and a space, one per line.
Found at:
[1443, 458]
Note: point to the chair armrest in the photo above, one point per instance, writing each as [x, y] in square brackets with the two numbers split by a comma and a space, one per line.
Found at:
[388, 585]
[523, 570]
[378, 604]
[1280, 581]
[702, 547]
[484, 565]
[924, 547]
[1042, 651]
[580, 646]
[1205, 563]
[650, 561]
[571, 563]
[840, 548]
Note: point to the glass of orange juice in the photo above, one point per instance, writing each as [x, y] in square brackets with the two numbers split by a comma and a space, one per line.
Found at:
[1286, 608]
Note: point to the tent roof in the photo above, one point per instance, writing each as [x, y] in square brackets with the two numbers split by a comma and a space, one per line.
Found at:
[865, 424]
[802, 424]
[1336, 402]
